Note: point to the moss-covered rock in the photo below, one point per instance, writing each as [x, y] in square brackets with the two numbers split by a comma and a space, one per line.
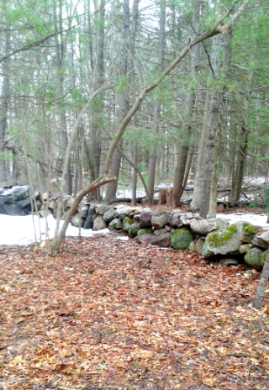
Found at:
[255, 258]
[133, 229]
[223, 241]
[127, 222]
[248, 232]
[115, 224]
[181, 238]
[140, 232]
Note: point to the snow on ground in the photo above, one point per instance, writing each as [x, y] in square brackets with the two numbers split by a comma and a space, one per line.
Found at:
[254, 219]
[20, 231]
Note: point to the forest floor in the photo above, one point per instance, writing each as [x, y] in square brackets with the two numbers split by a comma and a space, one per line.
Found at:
[113, 314]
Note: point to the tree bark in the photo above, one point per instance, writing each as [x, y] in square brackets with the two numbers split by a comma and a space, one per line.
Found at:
[157, 108]
[4, 103]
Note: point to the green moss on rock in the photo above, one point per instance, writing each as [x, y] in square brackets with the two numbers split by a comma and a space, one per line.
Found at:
[115, 224]
[144, 231]
[255, 258]
[181, 238]
[127, 222]
[221, 236]
[250, 229]
[133, 229]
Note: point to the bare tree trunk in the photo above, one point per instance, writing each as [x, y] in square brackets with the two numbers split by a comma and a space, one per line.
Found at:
[60, 53]
[214, 178]
[157, 108]
[123, 101]
[258, 301]
[4, 103]
[182, 149]
[96, 125]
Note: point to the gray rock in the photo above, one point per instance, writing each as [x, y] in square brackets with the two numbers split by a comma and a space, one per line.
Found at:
[121, 212]
[99, 223]
[145, 238]
[196, 246]
[15, 200]
[261, 240]
[192, 247]
[244, 248]
[205, 226]
[144, 231]
[84, 211]
[255, 258]
[101, 209]
[115, 224]
[223, 241]
[75, 220]
[168, 228]
[162, 240]
[199, 244]
[145, 219]
[187, 218]
[110, 215]
[158, 232]
[174, 219]
[89, 221]
[159, 219]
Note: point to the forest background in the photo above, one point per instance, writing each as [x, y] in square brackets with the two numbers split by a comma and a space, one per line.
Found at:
[73, 71]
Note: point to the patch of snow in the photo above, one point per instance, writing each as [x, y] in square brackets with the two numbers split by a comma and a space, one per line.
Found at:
[254, 219]
[122, 238]
[20, 230]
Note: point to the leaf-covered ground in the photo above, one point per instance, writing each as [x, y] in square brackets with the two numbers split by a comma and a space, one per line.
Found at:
[114, 314]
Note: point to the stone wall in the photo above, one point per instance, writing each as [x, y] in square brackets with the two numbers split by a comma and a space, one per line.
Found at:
[239, 242]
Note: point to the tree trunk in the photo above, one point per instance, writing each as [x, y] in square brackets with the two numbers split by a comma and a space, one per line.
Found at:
[4, 103]
[182, 149]
[157, 108]
[123, 101]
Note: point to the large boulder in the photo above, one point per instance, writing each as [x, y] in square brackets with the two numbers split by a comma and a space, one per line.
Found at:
[187, 218]
[206, 226]
[159, 219]
[145, 238]
[15, 200]
[261, 240]
[255, 258]
[181, 238]
[121, 211]
[223, 241]
[110, 215]
[133, 229]
[115, 224]
[248, 232]
[174, 219]
[140, 232]
[162, 240]
[89, 219]
[75, 220]
[145, 219]
[102, 208]
[99, 223]
[126, 224]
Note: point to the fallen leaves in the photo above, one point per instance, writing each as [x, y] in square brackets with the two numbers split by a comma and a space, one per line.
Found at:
[128, 317]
